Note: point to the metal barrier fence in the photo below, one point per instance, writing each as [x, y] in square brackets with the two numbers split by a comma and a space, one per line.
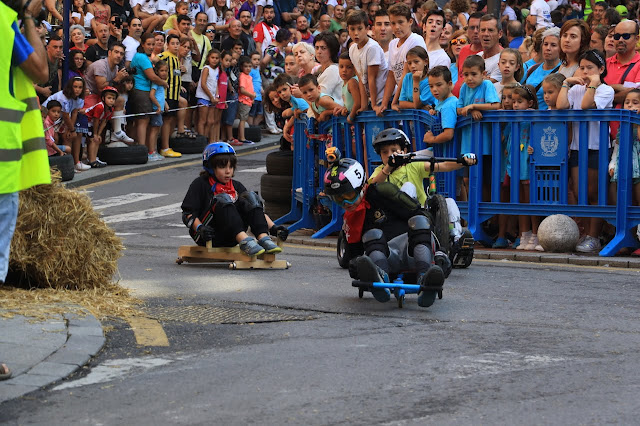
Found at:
[548, 165]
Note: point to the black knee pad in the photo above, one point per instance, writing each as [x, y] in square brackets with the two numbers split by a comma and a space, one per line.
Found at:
[419, 232]
[221, 200]
[248, 201]
[374, 240]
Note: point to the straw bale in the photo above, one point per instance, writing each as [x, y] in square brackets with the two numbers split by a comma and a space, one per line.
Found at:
[60, 240]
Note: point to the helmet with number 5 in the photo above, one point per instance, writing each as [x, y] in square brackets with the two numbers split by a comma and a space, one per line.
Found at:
[343, 183]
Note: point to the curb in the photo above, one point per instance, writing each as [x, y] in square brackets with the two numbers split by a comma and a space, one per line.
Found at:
[119, 171]
[512, 255]
[85, 339]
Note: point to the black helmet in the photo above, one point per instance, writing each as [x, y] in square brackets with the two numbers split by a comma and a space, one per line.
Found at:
[343, 183]
[389, 137]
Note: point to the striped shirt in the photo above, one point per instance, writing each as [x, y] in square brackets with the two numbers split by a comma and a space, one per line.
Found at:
[174, 77]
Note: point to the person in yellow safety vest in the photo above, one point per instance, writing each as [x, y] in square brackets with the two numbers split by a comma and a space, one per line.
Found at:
[23, 154]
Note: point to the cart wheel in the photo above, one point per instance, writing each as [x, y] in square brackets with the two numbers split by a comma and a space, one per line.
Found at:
[360, 293]
[439, 294]
[400, 301]
[288, 265]
[179, 261]
[233, 265]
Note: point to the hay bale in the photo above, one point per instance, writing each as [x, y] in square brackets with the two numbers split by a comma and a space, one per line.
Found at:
[558, 233]
[60, 240]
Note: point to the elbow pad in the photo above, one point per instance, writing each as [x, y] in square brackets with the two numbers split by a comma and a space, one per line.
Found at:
[188, 219]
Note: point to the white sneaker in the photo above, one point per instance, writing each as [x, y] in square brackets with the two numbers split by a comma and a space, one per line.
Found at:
[524, 240]
[275, 131]
[117, 145]
[81, 167]
[589, 245]
[121, 136]
[532, 243]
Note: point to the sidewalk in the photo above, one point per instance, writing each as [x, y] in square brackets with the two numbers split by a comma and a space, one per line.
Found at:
[42, 352]
[110, 172]
[303, 237]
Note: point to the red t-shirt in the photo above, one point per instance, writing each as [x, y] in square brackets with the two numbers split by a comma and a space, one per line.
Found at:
[615, 71]
[98, 111]
[467, 50]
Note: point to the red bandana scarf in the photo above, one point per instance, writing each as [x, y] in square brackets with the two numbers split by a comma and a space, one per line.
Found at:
[354, 222]
[218, 188]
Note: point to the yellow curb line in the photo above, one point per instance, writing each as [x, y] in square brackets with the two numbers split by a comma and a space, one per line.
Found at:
[148, 331]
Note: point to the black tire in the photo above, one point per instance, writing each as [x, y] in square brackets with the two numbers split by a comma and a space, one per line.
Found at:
[188, 145]
[280, 163]
[276, 210]
[440, 214]
[251, 133]
[64, 164]
[276, 188]
[346, 252]
[134, 154]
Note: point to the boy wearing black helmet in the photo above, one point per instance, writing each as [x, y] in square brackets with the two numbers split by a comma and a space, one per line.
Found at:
[220, 209]
[409, 177]
[391, 226]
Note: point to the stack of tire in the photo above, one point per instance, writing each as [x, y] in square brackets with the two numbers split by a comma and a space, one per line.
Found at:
[251, 133]
[186, 145]
[276, 184]
[64, 164]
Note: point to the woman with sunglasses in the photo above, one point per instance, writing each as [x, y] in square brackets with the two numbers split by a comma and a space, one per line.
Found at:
[458, 41]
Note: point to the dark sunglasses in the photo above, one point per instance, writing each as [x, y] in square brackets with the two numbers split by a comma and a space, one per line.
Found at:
[209, 31]
[625, 36]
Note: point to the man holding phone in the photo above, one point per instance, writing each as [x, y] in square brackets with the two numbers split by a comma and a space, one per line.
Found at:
[115, 28]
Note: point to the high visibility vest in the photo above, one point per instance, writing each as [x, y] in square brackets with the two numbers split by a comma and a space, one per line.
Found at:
[23, 154]
[587, 9]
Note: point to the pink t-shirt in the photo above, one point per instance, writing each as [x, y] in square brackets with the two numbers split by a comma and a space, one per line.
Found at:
[49, 135]
[246, 82]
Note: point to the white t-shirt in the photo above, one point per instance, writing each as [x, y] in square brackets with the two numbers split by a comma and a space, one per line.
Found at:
[213, 18]
[212, 84]
[87, 18]
[508, 10]
[439, 57]
[540, 9]
[264, 3]
[330, 83]
[370, 54]
[334, 3]
[131, 46]
[603, 99]
[147, 6]
[491, 66]
[398, 55]
[168, 6]
[262, 33]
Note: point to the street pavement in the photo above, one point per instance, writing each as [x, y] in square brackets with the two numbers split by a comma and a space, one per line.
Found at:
[510, 340]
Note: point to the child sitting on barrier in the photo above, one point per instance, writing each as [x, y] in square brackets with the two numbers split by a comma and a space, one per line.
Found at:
[321, 104]
[586, 90]
[477, 95]
[351, 96]
[631, 103]
[220, 209]
[440, 85]
[393, 228]
[414, 87]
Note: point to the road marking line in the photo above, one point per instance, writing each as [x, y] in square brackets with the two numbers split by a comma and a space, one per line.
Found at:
[144, 214]
[262, 169]
[120, 200]
[162, 169]
[148, 331]
[124, 234]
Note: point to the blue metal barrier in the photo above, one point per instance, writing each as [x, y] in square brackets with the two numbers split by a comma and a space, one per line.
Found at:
[549, 170]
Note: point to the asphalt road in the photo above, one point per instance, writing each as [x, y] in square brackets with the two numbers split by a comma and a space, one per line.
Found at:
[509, 343]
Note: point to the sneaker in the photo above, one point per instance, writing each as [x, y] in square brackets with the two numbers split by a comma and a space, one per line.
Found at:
[532, 243]
[589, 245]
[117, 145]
[97, 164]
[81, 167]
[155, 157]
[524, 240]
[269, 246]
[275, 131]
[251, 247]
[170, 153]
[235, 142]
[369, 271]
[636, 253]
[246, 142]
[430, 285]
[121, 136]
[500, 243]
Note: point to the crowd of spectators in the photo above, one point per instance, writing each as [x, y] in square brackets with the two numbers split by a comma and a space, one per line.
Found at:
[264, 62]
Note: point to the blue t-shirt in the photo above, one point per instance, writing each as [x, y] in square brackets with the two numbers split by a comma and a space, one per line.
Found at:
[21, 47]
[525, 130]
[160, 96]
[448, 112]
[139, 63]
[257, 82]
[525, 68]
[406, 93]
[298, 103]
[485, 93]
[454, 73]
[536, 78]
